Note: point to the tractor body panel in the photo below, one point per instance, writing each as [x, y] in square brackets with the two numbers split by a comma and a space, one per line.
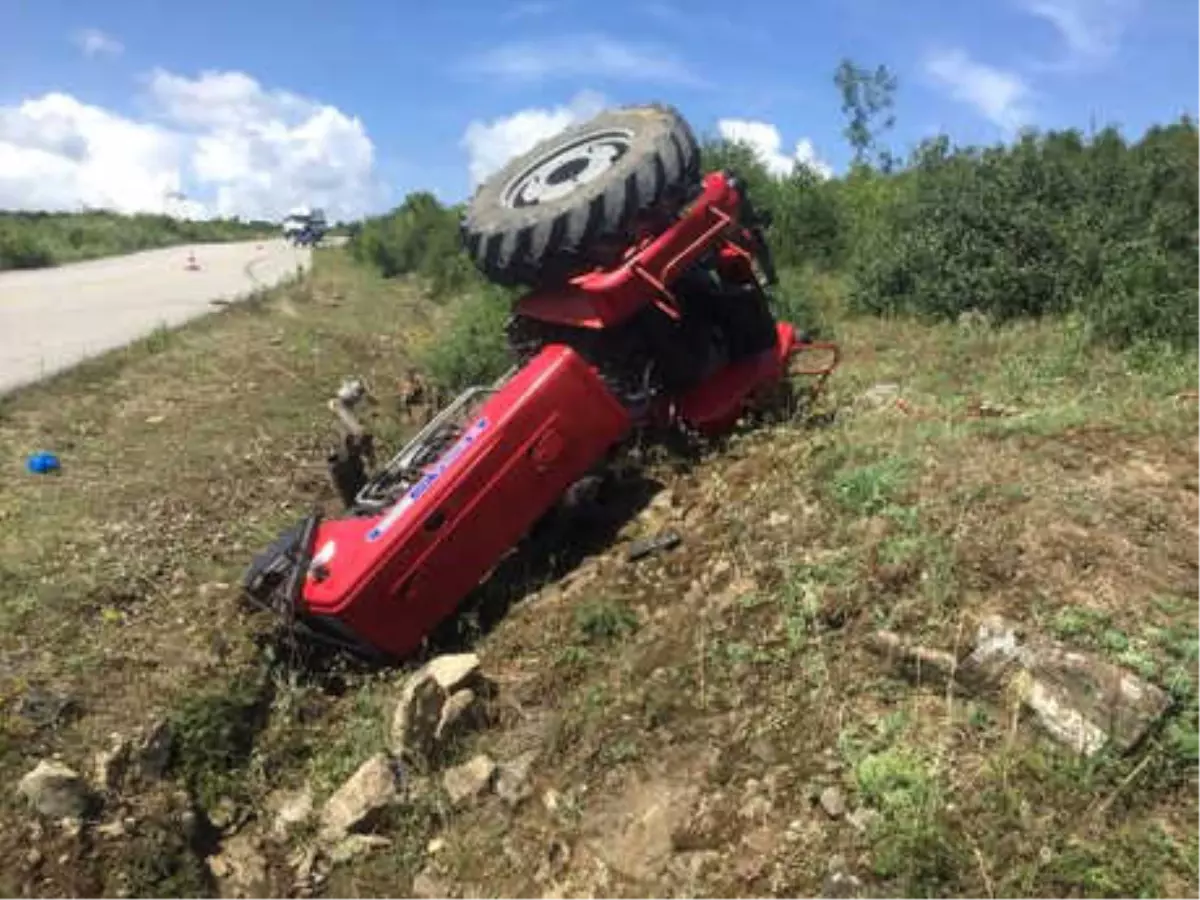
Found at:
[389, 579]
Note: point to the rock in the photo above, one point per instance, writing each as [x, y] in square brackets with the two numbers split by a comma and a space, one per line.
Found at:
[863, 818]
[303, 862]
[512, 779]
[778, 519]
[242, 865]
[749, 867]
[881, 395]
[453, 671]
[840, 883]
[356, 805]
[761, 842]
[914, 660]
[643, 547]
[558, 854]
[1081, 700]
[832, 802]
[154, 752]
[719, 571]
[551, 800]
[109, 766]
[417, 717]
[662, 502]
[356, 845]
[227, 817]
[186, 818]
[117, 828]
[71, 827]
[429, 885]
[439, 700]
[756, 808]
[635, 833]
[466, 782]
[973, 318]
[693, 865]
[461, 712]
[764, 751]
[45, 709]
[33, 858]
[986, 409]
[56, 791]
[435, 846]
[291, 808]
[794, 831]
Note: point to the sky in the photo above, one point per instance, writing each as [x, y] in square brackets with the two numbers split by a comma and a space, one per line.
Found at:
[253, 108]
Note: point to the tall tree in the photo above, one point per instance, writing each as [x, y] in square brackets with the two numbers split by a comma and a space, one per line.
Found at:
[867, 101]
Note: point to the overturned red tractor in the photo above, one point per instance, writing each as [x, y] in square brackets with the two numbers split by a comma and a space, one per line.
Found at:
[644, 311]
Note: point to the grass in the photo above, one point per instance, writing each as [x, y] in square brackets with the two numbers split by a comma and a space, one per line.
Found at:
[213, 734]
[32, 240]
[182, 455]
[920, 518]
[691, 682]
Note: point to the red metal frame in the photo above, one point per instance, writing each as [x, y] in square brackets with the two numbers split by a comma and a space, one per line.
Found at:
[605, 298]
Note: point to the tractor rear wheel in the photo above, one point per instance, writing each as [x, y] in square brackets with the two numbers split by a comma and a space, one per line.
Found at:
[573, 201]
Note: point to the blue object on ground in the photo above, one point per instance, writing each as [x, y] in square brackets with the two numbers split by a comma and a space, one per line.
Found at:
[42, 463]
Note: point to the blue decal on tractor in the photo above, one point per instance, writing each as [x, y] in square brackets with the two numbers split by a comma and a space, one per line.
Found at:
[417, 491]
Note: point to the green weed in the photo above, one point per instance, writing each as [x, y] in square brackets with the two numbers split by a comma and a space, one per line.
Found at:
[870, 489]
[603, 621]
[213, 733]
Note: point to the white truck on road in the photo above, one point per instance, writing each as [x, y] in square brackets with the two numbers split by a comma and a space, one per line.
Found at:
[304, 226]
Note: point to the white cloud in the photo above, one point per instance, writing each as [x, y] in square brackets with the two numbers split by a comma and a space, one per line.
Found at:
[94, 42]
[1091, 29]
[57, 153]
[587, 56]
[490, 145]
[767, 143]
[235, 147]
[263, 152]
[1000, 95]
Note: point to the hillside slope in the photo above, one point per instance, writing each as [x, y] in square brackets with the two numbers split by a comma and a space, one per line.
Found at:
[688, 714]
[711, 722]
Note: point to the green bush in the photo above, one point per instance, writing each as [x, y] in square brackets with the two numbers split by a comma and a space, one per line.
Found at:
[30, 240]
[472, 348]
[1052, 225]
[420, 237]
[21, 249]
[214, 732]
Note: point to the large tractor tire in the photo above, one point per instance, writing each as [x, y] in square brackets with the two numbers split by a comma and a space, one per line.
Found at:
[573, 201]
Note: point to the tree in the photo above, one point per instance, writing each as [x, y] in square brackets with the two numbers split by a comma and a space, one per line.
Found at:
[867, 101]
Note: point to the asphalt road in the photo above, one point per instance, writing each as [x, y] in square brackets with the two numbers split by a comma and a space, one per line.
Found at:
[51, 319]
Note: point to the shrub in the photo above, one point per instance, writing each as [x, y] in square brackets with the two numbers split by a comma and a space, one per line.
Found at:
[1051, 225]
[472, 348]
[420, 237]
[31, 240]
[21, 249]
